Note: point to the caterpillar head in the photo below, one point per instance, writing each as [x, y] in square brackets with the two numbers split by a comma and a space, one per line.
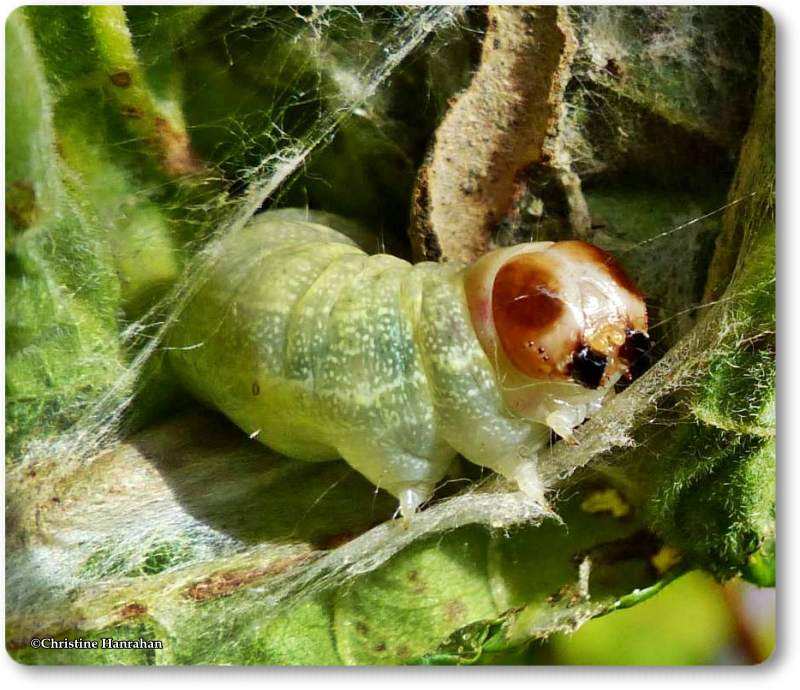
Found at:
[561, 321]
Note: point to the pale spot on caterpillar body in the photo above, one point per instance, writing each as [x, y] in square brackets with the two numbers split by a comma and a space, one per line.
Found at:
[322, 351]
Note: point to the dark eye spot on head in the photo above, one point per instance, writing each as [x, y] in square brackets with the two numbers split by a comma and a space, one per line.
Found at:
[636, 352]
[588, 367]
[635, 346]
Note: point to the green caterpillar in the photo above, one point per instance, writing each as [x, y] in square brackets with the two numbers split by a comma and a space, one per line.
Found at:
[322, 351]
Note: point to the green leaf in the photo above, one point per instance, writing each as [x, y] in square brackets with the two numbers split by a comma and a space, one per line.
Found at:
[62, 292]
[210, 534]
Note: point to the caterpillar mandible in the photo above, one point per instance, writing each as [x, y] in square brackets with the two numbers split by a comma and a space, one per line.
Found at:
[322, 351]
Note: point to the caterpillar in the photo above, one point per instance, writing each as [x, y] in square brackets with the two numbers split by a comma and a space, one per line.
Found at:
[322, 351]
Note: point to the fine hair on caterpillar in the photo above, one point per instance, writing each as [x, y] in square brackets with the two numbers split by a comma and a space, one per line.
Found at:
[322, 351]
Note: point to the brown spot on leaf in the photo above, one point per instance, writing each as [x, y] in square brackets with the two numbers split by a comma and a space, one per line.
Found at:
[15, 644]
[132, 610]
[417, 584]
[132, 112]
[21, 204]
[454, 611]
[177, 155]
[122, 79]
[225, 583]
[613, 68]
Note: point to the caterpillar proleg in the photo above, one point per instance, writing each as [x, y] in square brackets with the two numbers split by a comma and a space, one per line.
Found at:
[299, 336]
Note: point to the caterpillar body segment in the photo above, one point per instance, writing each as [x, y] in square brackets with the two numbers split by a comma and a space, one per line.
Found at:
[321, 351]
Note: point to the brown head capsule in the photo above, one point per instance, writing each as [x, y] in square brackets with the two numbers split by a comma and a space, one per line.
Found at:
[561, 312]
